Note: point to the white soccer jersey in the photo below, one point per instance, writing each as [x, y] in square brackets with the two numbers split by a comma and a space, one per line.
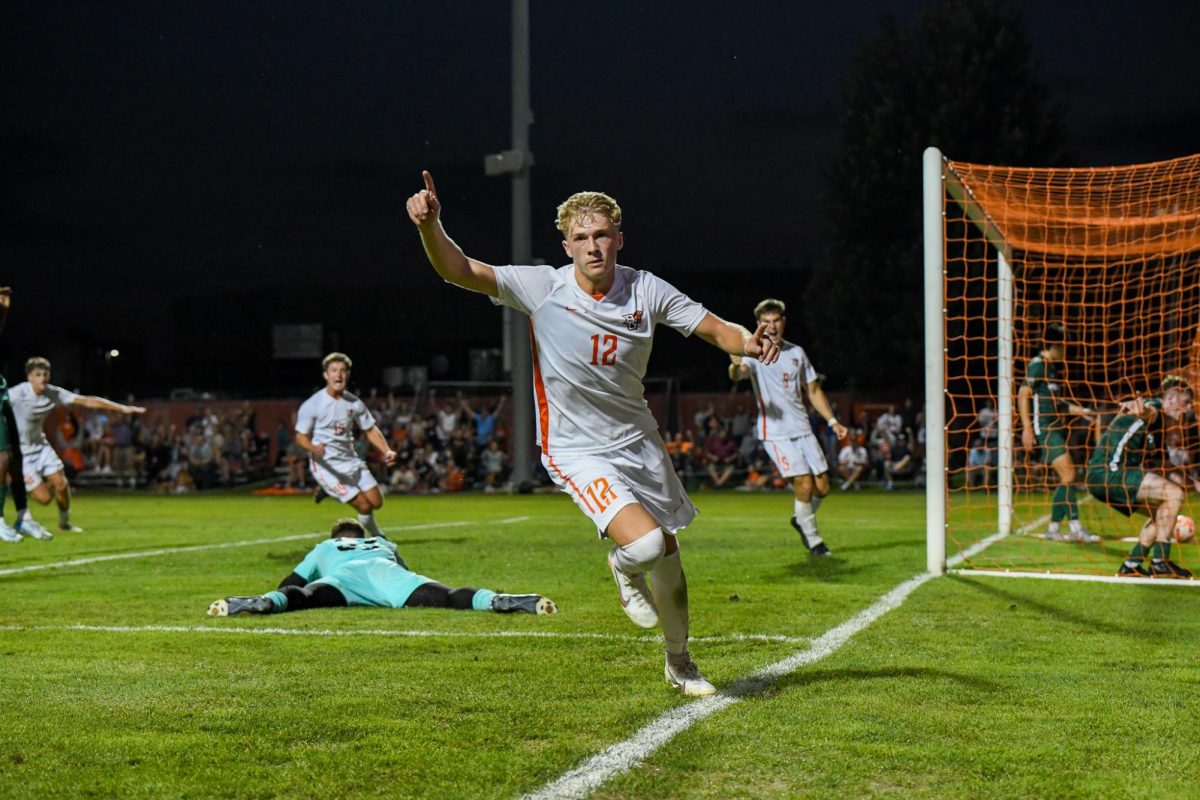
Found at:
[331, 421]
[779, 389]
[589, 355]
[31, 410]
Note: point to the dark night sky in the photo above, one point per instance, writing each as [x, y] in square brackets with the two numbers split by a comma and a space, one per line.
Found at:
[159, 151]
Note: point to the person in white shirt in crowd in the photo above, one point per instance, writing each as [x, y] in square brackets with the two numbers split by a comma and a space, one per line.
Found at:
[591, 329]
[852, 461]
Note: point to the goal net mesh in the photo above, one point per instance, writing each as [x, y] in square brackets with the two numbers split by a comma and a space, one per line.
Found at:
[1113, 255]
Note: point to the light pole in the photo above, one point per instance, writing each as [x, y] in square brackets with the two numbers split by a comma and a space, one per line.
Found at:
[517, 162]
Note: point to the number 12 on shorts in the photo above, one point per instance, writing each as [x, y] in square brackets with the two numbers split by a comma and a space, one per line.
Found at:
[601, 493]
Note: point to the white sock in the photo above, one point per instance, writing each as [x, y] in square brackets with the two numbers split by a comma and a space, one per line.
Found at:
[669, 587]
[368, 522]
[806, 516]
[815, 502]
[642, 554]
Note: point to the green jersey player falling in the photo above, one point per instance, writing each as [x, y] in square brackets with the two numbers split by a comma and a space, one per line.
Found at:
[1121, 474]
[1040, 405]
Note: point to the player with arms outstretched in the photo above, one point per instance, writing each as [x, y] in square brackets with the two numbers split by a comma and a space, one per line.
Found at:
[1042, 425]
[326, 426]
[32, 402]
[783, 425]
[591, 329]
[1118, 474]
[353, 569]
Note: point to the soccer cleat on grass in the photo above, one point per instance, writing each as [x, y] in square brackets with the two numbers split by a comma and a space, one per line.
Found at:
[1135, 571]
[232, 606]
[69, 528]
[1054, 533]
[682, 673]
[818, 549]
[634, 594]
[1078, 534]
[529, 603]
[1166, 568]
[7, 534]
[319, 495]
[33, 529]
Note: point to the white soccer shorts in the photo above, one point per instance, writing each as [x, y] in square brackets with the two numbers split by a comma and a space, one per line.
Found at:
[799, 456]
[343, 478]
[39, 464]
[601, 484]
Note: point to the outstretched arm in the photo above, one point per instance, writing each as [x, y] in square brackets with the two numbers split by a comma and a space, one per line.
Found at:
[736, 340]
[100, 404]
[425, 211]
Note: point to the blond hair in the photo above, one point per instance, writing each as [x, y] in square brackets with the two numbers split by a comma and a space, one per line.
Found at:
[37, 362]
[332, 357]
[769, 305]
[582, 204]
[1176, 382]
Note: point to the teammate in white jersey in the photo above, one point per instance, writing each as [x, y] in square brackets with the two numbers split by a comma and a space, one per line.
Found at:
[327, 426]
[32, 401]
[783, 425]
[591, 328]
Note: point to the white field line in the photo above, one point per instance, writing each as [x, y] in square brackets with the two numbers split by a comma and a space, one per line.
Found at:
[623, 756]
[220, 629]
[166, 551]
[1066, 576]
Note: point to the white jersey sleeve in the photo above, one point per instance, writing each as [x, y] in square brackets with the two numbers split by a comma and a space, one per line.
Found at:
[672, 307]
[363, 417]
[525, 288]
[306, 417]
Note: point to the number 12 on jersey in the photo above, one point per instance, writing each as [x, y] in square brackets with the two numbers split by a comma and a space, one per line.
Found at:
[608, 356]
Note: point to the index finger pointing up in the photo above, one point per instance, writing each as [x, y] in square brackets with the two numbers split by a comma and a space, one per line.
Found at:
[428, 182]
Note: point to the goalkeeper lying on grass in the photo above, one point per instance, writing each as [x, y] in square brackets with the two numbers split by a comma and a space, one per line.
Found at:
[351, 569]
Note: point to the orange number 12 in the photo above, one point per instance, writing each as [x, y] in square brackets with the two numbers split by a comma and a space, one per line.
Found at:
[609, 357]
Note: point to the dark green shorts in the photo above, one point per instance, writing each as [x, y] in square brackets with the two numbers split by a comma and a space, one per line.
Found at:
[4, 442]
[1052, 443]
[1117, 489]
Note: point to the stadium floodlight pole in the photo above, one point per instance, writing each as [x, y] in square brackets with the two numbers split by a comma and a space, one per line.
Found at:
[1004, 392]
[516, 162]
[935, 366]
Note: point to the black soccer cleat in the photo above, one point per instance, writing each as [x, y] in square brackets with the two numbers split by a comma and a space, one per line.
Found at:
[319, 495]
[232, 606]
[529, 603]
[1136, 571]
[1167, 568]
[818, 549]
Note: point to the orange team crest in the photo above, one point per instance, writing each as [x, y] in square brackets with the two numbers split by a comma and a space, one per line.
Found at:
[633, 321]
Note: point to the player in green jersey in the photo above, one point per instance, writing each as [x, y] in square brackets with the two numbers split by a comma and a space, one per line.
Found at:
[1118, 474]
[1039, 404]
[353, 569]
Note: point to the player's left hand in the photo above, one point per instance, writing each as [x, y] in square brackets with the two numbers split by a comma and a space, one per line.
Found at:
[389, 457]
[839, 430]
[135, 410]
[762, 346]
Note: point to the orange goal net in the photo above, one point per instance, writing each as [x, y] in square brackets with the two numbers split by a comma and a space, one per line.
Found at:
[1064, 292]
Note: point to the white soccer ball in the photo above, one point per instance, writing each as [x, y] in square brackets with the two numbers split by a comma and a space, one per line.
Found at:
[1185, 529]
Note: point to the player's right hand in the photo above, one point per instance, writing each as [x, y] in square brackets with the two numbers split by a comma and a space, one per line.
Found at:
[1027, 440]
[424, 208]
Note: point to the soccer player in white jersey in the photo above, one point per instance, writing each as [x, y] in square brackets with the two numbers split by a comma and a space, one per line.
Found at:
[783, 425]
[591, 328]
[326, 427]
[32, 401]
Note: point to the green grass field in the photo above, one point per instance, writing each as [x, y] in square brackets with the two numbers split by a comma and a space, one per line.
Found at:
[114, 682]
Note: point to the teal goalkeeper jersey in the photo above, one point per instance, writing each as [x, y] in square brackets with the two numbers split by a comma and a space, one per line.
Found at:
[332, 554]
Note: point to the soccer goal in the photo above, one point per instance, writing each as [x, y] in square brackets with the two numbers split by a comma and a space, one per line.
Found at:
[1105, 264]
